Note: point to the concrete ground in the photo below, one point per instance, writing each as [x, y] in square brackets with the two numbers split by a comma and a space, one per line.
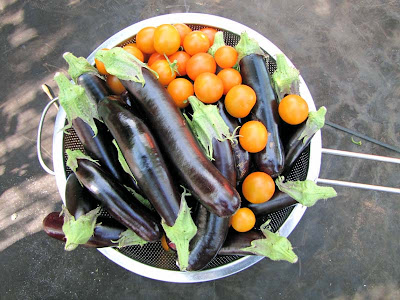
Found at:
[349, 55]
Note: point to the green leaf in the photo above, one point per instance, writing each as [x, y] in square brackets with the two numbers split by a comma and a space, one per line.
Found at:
[247, 46]
[315, 121]
[140, 198]
[285, 76]
[122, 64]
[181, 232]
[78, 232]
[274, 246]
[218, 43]
[122, 161]
[306, 192]
[207, 124]
[74, 155]
[75, 102]
[354, 142]
[129, 238]
[79, 66]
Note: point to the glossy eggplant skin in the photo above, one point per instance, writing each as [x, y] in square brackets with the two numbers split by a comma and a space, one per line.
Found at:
[239, 240]
[116, 199]
[278, 201]
[95, 88]
[177, 141]
[143, 157]
[255, 74]
[242, 157]
[212, 229]
[107, 231]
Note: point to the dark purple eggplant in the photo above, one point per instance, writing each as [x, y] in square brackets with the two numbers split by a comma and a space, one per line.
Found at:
[255, 74]
[96, 88]
[116, 199]
[242, 157]
[236, 241]
[143, 157]
[106, 231]
[179, 145]
[278, 201]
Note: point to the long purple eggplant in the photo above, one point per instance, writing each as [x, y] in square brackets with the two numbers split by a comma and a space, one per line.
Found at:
[278, 201]
[143, 157]
[236, 241]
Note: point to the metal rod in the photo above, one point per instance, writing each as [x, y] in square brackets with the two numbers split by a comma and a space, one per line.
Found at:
[361, 155]
[359, 185]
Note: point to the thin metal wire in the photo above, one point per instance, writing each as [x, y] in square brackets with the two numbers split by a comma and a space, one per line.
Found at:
[361, 155]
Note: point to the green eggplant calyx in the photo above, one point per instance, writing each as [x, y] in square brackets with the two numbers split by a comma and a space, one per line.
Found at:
[218, 43]
[285, 76]
[247, 46]
[129, 238]
[140, 198]
[79, 66]
[122, 161]
[74, 155]
[315, 121]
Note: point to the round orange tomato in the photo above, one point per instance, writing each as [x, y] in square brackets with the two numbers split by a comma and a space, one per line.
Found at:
[226, 57]
[200, 63]
[240, 100]
[210, 33]
[183, 30]
[100, 66]
[230, 77]
[154, 57]
[182, 58]
[258, 187]
[253, 136]
[134, 50]
[145, 40]
[166, 39]
[293, 109]
[208, 87]
[163, 69]
[243, 220]
[196, 42]
[180, 89]
[115, 85]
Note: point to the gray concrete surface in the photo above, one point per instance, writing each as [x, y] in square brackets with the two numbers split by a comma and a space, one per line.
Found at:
[348, 53]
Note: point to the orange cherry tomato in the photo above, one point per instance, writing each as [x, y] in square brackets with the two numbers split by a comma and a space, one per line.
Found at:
[230, 77]
[183, 30]
[243, 220]
[164, 243]
[196, 42]
[293, 109]
[208, 87]
[180, 89]
[145, 40]
[166, 39]
[100, 66]
[163, 69]
[134, 50]
[240, 100]
[253, 136]
[258, 187]
[154, 57]
[182, 58]
[226, 57]
[200, 63]
[115, 85]
[210, 33]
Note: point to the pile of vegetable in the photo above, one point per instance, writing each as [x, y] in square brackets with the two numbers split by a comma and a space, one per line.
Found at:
[187, 141]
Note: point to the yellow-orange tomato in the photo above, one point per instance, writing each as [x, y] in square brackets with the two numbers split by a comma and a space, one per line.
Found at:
[182, 58]
[196, 42]
[208, 87]
[183, 30]
[226, 57]
[200, 63]
[145, 40]
[166, 39]
[253, 136]
[240, 100]
[115, 85]
[163, 69]
[154, 57]
[230, 77]
[243, 220]
[134, 50]
[293, 109]
[258, 187]
[164, 243]
[210, 33]
[180, 89]
[100, 66]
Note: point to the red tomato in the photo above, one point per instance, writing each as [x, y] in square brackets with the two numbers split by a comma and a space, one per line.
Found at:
[230, 78]
[166, 39]
[226, 57]
[182, 58]
[134, 50]
[253, 136]
[208, 87]
[293, 109]
[200, 63]
[115, 85]
[240, 100]
[210, 33]
[180, 89]
[163, 69]
[183, 30]
[145, 40]
[258, 187]
[243, 220]
[196, 42]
